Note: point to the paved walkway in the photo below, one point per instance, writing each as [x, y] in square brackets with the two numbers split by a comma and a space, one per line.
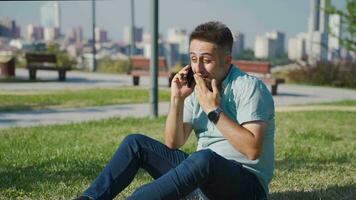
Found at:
[288, 95]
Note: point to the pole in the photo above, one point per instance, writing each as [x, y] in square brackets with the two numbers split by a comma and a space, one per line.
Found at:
[154, 59]
[132, 46]
[94, 48]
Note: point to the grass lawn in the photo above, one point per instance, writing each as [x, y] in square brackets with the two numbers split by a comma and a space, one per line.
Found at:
[30, 100]
[315, 156]
[346, 102]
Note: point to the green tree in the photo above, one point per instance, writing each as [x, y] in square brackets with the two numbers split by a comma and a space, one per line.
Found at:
[108, 65]
[348, 24]
[63, 59]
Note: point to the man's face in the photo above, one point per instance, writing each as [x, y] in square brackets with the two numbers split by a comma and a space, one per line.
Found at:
[207, 60]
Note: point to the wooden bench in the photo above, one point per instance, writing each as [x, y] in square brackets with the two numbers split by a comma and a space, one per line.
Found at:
[44, 62]
[140, 66]
[261, 70]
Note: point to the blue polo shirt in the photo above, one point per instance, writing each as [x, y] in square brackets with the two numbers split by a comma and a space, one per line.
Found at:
[244, 98]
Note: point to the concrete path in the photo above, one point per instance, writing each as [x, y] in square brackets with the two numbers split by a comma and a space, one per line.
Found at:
[288, 95]
[75, 80]
[61, 116]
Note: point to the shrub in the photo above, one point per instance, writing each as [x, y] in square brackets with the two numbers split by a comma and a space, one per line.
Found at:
[108, 65]
[63, 58]
[340, 74]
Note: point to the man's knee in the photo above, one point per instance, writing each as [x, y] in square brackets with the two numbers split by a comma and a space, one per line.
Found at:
[204, 156]
[133, 139]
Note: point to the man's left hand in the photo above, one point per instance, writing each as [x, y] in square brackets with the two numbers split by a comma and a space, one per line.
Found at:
[208, 100]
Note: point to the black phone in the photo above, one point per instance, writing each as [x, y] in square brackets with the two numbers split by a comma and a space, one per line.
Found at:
[190, 77]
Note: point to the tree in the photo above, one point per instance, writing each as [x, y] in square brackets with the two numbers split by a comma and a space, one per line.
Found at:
[63, 59]
[348, 23]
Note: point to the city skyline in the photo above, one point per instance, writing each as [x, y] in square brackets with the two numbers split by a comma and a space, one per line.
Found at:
[245, 17]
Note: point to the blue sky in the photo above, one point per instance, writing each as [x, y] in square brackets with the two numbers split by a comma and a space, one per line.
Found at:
[252, 17]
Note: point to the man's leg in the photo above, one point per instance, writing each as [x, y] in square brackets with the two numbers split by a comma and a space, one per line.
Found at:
[136, 151]
[218, 177]
[230, 180]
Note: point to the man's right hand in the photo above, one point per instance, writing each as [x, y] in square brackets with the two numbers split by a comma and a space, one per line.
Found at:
[179, 88]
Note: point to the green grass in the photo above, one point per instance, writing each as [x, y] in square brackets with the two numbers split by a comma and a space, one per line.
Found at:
[31, 100]
[346, 102]
[315, 156]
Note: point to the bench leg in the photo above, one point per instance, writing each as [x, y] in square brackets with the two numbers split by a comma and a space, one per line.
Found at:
[136, 80]
[274, 89]
[32, 74]
[62, 75]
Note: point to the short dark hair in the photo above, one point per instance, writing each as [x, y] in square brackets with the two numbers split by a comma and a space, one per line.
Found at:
[214, 32]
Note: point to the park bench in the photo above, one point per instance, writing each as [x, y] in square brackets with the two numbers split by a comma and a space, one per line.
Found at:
[44, 62]
[261, 70]
[140, 66]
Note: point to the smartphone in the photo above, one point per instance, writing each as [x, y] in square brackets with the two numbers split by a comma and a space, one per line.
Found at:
[190, 77]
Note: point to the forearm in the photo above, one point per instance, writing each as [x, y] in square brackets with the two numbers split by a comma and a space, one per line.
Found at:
[174, 130]
[240, 138]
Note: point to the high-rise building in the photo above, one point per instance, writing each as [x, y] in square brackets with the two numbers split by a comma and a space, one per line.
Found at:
[297, 47]
[264, 47]
[238, 44]
[35, 32]
[51, 15]
[8, 28]
[51, 33]
[270, 45]
[172, 53]
[75, 35]
[317, 45]
[101, 35]
[335, 34]
[179, 36]
[127, 34]
[147, 50]
[138, 34]
[278, 38]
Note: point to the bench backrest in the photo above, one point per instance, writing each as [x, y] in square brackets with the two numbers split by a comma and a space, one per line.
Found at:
[258, 67]
[41, 59]
[142, 63]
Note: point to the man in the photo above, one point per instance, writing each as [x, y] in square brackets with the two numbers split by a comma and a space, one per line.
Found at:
[232, 115]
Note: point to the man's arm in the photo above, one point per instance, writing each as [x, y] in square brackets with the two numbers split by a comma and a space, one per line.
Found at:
[247, 138]
[176, 132]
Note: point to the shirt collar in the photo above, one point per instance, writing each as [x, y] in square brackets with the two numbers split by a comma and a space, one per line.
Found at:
[227, 77]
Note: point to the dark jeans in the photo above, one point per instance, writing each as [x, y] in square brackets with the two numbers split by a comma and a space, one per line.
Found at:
[176, 173]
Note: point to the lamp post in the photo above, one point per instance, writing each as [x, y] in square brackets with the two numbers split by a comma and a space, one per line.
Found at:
[132, 46]
[154, 59]
[94, 48]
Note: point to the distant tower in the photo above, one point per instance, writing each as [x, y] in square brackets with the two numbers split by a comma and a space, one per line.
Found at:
[317, 43]
[51, 15]
[238, 45]
[334, 43]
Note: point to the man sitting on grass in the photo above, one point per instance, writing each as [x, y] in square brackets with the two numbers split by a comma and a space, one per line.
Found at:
[232, 115]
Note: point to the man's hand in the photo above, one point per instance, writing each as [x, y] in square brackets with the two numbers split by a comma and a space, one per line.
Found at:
[179, 88]
[176, 132]
[208, 100]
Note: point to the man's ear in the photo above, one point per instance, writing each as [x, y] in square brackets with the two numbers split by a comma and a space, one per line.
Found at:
[227, 60]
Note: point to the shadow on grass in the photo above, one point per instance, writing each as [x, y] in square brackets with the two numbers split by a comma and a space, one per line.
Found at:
[55, 80]
[11, 108]
[52, 172]
[292, 94]
[46, 109]
[22, 80]
[332, 192]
